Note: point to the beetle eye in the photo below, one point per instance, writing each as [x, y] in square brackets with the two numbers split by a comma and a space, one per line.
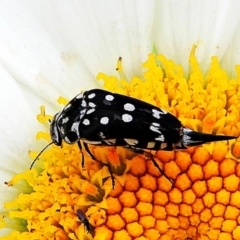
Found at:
[54, 131]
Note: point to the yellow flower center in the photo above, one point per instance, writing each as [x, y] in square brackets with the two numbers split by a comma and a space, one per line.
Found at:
[203, 202]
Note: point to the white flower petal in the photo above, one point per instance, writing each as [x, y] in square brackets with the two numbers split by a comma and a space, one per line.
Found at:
[4, 232]
[36, 48]
[209, 24]
[18, 123]
[18, 126]
[7, 193]
[61, 46]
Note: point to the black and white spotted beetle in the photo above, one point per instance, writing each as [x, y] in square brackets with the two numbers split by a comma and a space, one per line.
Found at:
[82, 217]
[99, 117]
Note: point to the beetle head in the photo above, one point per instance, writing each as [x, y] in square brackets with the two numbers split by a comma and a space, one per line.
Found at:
[54, 131]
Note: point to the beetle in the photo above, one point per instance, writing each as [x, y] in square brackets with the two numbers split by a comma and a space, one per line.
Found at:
[100, 117]
[82, 217]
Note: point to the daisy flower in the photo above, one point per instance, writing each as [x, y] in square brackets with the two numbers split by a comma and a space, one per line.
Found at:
[178, 55]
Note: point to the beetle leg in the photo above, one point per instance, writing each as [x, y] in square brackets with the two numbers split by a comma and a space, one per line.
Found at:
[105, 164]
[80, 147]
[150, 156]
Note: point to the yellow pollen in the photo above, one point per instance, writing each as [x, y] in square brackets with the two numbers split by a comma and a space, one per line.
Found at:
[202, 203]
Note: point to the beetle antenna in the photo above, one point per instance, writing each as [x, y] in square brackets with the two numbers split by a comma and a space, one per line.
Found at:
[40, 154]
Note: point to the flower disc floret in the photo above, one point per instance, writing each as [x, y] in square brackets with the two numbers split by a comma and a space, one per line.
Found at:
[203, 202]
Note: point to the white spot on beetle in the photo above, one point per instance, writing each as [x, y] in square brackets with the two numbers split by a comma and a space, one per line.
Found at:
[79, 96]
[65, 120]
[86, 122]
[109, 97]
[104, 120]
[92, 142]
[129, 107]
[186, 139]
[101, 134]
[83, 104]
[110, 141]
[160, 138]
[131, 141]
[127, 117]
[62, 130]
[75, 127]
[92, 105]
[156, 113]
[66, 139]
[187, 130]
[151, 145]
[92, 95]
[163, 145]
[156, 124]
[82, 112]
[154, 129]
[90, 111]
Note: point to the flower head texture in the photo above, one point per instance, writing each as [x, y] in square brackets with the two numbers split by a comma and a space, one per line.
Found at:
[53, 49]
